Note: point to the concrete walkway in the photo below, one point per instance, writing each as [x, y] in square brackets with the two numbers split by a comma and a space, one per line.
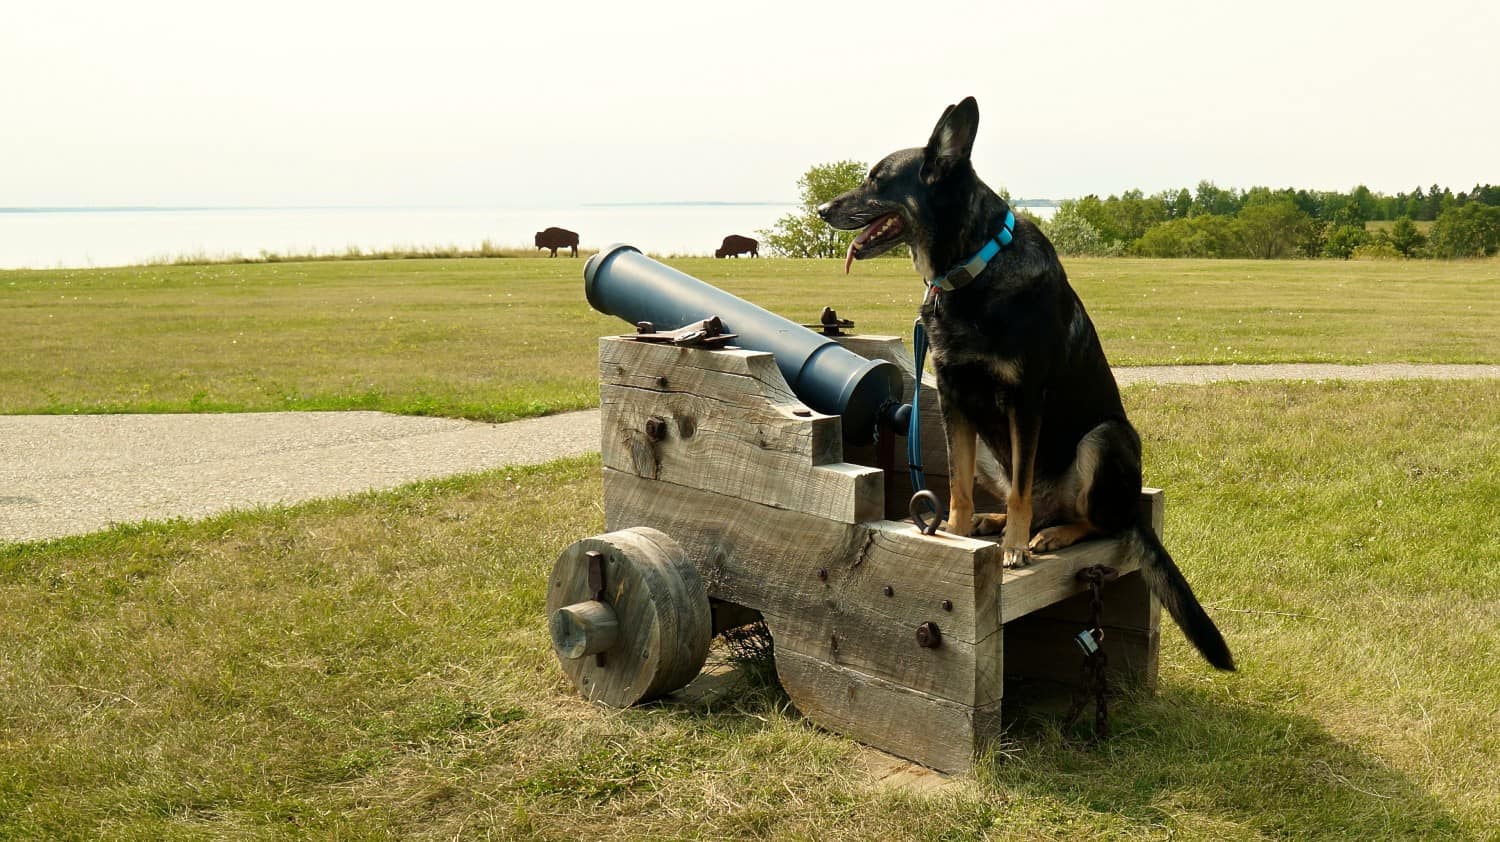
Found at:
[68, 475]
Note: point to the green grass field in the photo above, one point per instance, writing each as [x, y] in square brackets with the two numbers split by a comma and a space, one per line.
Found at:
[503, 338]
[379, 666]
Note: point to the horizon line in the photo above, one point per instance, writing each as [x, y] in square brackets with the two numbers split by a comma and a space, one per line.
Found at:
[421, 206]
[23, 209]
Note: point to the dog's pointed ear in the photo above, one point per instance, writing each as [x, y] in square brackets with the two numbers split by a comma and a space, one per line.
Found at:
[953, 138]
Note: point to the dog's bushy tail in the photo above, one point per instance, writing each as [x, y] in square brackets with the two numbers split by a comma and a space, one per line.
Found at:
[1172, 590]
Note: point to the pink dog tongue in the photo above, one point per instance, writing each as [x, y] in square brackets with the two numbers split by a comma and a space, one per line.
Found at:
[864, 237]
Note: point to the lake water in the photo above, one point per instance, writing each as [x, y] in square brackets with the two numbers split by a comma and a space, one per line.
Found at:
[82, 238]
[43, 240]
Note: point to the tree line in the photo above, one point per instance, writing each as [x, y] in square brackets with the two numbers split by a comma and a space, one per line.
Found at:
[1211, 221]
[1264, 223]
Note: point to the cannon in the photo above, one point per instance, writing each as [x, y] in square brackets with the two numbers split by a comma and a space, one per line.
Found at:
[737, 487]
[620, 281]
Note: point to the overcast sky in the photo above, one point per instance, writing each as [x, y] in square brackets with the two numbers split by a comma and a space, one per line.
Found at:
[496, 104]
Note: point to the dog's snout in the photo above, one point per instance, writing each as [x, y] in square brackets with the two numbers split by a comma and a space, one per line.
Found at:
[824, 210]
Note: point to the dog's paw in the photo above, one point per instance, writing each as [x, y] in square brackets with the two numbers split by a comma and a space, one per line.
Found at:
[979, 525]
[1015, 557]
[988, 524]
[1054, 538]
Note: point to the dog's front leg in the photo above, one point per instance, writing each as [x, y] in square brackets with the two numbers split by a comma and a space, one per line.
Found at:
[963, 452]
[963, 445]
[1025, 428]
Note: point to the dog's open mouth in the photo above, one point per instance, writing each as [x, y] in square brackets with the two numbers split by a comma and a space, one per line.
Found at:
[878, 236]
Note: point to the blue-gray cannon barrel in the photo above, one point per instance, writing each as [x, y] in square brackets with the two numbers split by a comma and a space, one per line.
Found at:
[620, 281]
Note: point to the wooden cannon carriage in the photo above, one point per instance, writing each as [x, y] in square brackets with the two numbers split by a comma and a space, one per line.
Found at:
[725, 494]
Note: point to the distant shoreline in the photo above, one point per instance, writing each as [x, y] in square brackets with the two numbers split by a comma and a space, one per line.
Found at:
[38, 209]
[198, 208]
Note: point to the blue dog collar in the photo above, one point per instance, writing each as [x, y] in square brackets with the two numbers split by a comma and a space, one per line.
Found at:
[970, 269]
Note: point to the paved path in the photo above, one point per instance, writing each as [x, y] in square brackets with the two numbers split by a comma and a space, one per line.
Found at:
[66, 475]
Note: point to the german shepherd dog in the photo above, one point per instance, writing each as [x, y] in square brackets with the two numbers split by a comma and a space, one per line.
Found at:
[1018, 366]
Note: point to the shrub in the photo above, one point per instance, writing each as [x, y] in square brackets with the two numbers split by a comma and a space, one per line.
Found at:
[1195, 236]
[1406, 238]
[1272, 229]
[1071, 233]
[1472, 230]
[1340, 241]
[1377, 250]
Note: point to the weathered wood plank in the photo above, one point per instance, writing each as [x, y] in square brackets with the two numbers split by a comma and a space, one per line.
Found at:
[933, 731]
[1042, 647]
[886, 771]
[731, 425]
[770, 560]
[646, 365]
[1052, 577]
[1153, 509]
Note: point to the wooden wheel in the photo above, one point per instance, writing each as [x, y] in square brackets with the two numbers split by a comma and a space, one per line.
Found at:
[649, 633]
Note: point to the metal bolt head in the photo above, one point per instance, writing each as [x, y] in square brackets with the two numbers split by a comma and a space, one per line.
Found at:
[947, 605]
[929, 636]
[656, 428]
[645, 327]
[823, 573]
[888, 590]
[661, 382]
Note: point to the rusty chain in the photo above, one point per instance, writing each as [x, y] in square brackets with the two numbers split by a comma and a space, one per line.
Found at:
[1095, 681]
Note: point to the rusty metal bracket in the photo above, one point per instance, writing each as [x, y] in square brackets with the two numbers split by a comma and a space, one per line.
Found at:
[708, 333]
[830, 324]
[596, 587]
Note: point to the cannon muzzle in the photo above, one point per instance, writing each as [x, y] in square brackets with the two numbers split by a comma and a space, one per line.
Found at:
[620, 281]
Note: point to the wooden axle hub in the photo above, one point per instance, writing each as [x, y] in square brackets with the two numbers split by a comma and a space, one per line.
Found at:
[719, 483]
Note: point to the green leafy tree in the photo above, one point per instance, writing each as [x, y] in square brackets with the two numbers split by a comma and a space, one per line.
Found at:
[1195, 236]
[1091, 209]
[1214, 200]
[1340, 241]
[1273, 229]
[1176, 205]
[1134, 213]
[1470, 230]
[1343, 210]
[803, 234]
[1072, 232]
[1406, 238]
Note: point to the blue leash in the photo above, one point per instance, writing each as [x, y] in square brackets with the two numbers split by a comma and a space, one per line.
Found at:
[948, 281]
[914, 425]
[920, 495]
